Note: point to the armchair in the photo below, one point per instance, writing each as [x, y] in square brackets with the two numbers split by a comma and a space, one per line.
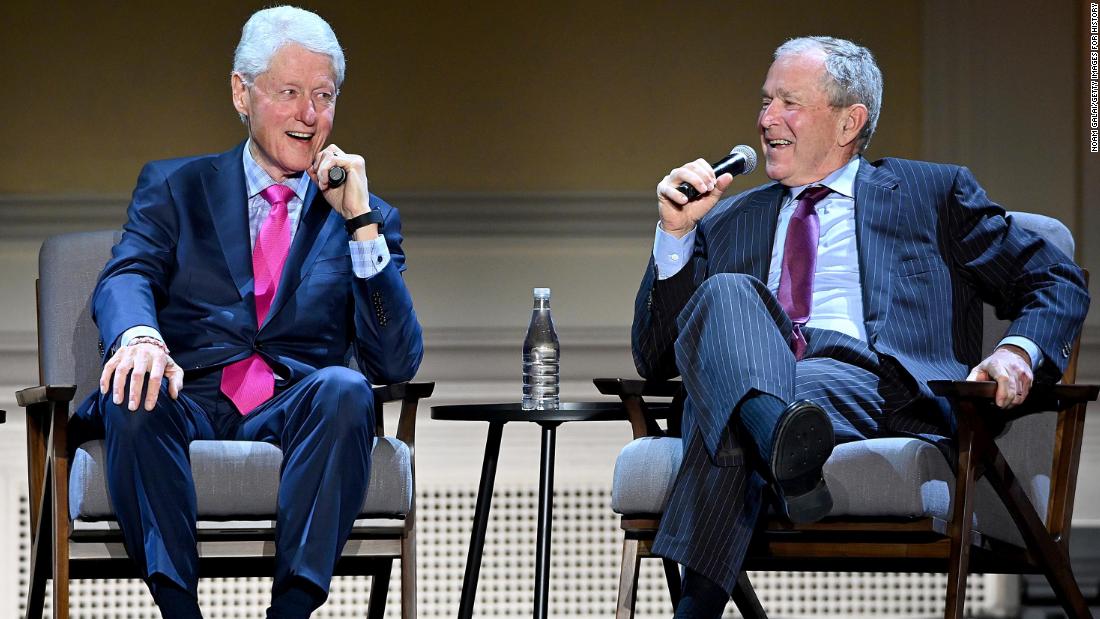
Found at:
[1004, 505]
[73, 531]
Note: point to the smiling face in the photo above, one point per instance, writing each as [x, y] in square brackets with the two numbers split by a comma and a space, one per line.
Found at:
[803, 137]
[290, 108]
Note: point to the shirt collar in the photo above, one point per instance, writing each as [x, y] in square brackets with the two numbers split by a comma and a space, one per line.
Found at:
[842, 180]
[257, 179]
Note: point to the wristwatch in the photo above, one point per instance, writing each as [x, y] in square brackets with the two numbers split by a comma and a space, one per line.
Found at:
[372, 216]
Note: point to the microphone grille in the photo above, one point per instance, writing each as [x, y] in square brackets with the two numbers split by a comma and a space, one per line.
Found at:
[749, 154]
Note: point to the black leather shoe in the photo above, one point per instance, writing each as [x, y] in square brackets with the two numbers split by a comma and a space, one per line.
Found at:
[803, 442]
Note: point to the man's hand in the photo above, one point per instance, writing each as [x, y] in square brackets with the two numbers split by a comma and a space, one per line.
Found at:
[1010, 366]
[678, 214]
[135, 361]
[352, 198]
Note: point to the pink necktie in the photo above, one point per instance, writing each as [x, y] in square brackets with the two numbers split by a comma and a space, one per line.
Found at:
[796, 277]
[250, 382]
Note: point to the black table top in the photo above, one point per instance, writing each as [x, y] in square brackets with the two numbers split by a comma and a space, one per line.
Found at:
[511, 411]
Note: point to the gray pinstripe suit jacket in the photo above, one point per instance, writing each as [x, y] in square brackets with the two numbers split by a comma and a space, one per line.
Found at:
[932, 247]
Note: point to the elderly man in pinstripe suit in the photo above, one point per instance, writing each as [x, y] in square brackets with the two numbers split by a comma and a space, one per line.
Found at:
[813, 309]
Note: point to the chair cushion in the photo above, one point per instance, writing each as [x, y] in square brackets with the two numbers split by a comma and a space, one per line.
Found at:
[895, 477]
[644, 473]
[239, 480]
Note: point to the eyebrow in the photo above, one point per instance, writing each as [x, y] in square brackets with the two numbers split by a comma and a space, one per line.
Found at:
[781, 93]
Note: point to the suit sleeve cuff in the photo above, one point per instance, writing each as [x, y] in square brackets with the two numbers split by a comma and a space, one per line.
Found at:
[670, 254]
[368, 258]
[134, 332]
[1031, 348]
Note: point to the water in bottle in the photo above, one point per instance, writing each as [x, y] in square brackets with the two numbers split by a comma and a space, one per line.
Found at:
[540, 357]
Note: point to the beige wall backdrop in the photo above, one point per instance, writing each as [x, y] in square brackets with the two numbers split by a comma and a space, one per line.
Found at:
[526, 96]
[522, 142]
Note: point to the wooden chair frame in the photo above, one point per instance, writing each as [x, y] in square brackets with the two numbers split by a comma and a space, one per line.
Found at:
[60, 552]
[905, 544]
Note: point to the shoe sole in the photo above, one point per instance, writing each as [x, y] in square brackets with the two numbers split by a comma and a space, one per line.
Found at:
[809, 506]
[804, 442]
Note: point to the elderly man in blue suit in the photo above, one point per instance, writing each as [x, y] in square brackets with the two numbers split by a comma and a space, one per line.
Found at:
[228, 309]
[815, 308]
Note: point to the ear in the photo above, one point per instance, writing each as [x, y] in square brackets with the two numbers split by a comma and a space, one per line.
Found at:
[242, 98]
[852, 122]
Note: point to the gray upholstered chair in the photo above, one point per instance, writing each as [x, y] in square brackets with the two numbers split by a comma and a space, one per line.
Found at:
[73, 531]
[898, 504]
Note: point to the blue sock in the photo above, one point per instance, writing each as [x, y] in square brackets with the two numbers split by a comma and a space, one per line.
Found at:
[173, 601]
[760, 413]
[702, 598]
[296, 600]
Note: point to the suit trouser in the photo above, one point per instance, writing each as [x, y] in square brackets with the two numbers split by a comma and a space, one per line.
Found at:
[324, 426]
[733, 343]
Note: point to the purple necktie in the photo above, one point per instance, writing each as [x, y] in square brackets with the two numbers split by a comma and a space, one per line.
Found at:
[796, 278]
[250, 382]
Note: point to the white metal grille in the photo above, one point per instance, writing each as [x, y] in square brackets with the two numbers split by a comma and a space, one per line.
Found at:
[587, 546]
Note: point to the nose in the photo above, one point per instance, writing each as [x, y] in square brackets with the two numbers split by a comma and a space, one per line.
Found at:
[306, 112]
[767, 116]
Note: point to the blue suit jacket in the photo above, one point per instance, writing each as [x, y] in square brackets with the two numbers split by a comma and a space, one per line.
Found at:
[932, 247]
[184, 266]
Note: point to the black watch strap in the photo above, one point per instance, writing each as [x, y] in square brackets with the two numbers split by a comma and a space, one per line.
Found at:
[372, 216]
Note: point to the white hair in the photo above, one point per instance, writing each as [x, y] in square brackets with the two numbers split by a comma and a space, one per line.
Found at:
[852, 76]
[267, 31]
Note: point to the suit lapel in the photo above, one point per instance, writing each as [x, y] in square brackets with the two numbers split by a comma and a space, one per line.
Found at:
[227, 199]
[315, 226]
[878, 209]
[754, 231]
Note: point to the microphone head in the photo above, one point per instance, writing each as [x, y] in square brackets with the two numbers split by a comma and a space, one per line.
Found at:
[749, 154]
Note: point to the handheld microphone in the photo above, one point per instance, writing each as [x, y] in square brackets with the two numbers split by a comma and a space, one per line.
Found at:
[741, 160]
[337, 175]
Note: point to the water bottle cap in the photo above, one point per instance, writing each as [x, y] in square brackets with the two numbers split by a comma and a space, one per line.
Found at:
[542, 293]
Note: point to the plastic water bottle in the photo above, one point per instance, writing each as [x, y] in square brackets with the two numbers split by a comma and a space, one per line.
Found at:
[540, 357]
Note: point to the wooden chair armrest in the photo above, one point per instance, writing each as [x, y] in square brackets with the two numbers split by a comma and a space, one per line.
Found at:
[47, 415]
[643, 419]
[410, 394]
[1043, 398]
[401, 391]
[636, 386]
[45, 394]
[980, 422]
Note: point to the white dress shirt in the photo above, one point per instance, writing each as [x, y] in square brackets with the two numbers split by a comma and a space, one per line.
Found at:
[837, 296]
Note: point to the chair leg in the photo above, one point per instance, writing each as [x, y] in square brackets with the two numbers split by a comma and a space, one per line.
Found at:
[36, 595]
[1052, 555]
[379, 588]
[628, 580]
[744, 597]
[61, 572]
[675, 582]
[41, 562]
[59, 476]
[961, 516]
[408, 574]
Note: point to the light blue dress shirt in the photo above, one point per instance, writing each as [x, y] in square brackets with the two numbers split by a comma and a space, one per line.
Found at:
[368, 258]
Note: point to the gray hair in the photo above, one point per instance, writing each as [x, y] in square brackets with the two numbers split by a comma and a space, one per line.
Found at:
[853, 76]
[269, 30]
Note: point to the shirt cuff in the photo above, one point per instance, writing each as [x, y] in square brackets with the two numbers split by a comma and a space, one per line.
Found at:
[368, 258]
[1031, 348]
[670, 254]
[134, 332]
